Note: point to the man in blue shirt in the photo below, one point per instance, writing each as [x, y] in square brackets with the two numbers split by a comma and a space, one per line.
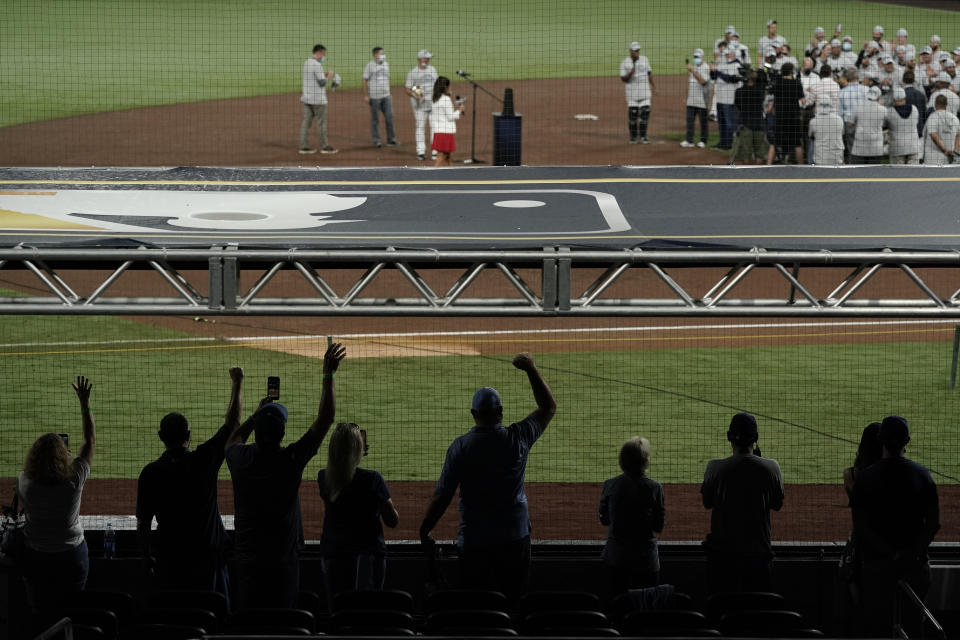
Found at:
[488, 464]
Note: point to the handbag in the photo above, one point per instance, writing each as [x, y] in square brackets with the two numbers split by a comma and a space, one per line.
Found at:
[12, 534]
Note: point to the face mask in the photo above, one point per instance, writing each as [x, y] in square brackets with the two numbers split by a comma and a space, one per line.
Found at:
[847, 46]
[697, 60]
[423, 65]
[321, 59]
[381, 58]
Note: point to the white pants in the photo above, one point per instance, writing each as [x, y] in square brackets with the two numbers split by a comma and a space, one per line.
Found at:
[421, 117]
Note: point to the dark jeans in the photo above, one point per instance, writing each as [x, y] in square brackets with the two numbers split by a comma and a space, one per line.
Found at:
[262, 584]
[205, 573]
[50, 577]
[854, 159]
[727, 117]
[353, 573]
[502, 567]
[692, 114]
[384, 105]
[733, 572]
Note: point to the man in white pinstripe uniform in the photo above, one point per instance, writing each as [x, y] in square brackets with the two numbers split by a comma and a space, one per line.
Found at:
[422, 76]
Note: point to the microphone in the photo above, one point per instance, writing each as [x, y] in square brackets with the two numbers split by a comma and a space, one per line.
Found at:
[462, 73]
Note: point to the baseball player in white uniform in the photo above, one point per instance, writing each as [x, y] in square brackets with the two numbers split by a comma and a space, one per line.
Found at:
[419, 86]
[636, 73]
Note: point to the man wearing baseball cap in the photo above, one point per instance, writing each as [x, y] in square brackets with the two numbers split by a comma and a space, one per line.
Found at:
[941, 87]
[636, 74]
[771, 39]
[419, 86]
[741, 490]
[896, 514]
[698, 97]
[266, 482]
[488, 464]
[941, 133]
[901, 123]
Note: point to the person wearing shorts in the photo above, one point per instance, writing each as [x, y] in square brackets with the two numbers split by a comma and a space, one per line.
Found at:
[444, 122]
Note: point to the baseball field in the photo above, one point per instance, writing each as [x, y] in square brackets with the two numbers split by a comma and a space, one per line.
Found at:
[140, 83]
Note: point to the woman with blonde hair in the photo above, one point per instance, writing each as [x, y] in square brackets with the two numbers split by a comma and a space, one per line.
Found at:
[55, 560]
[355, 502]
[632, 507]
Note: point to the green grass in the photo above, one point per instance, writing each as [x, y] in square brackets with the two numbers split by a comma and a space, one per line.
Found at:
[63, 58]
[812, 401]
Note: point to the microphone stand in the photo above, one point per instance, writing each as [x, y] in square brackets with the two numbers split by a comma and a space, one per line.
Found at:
[473, 127]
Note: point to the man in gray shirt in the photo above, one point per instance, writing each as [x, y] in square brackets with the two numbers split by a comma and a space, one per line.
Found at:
[741, 490]
[314, 99]
[376, 93]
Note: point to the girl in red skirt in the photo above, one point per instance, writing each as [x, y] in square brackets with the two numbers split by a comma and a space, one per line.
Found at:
[444, 124]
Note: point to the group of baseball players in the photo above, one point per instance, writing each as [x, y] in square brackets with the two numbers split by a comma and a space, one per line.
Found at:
[419, 87]
[836, 105]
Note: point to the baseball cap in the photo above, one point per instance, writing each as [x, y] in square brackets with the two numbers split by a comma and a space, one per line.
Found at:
[902, 32]
[949, 63]
[878, 28]
[901, 48]
[423, 53]
[769, 52]
[873, 93]
[848, 38]
[771, 21]
[743, 428]
[894, 430]
[887, 60]
[634, 46]
[834, 43]
[730, 29]
[943, 56]
[270, 420]
[934, 38]
[819, 30]
[909, 56]
[485, 399]
[698, 52]
[956, 51]
[899, 93]
[871, 44]
[926, 50]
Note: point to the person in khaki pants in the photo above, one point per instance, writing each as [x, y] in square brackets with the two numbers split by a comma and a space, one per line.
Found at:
[314, 99]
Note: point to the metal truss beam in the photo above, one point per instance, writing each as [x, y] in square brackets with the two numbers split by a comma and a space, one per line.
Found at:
[534, 282]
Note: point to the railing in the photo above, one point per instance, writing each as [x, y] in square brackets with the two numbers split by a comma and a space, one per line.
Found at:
[926, 618]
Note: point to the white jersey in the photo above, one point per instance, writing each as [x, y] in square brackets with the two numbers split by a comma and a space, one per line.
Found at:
[699, 94]
[895, 77]
[903, 131]
[826, 130]
[845, 60]
[868, 119]
[638, 86]
[946, 126]
[767, 41]
[424, 78]
[726, 88]
[824, 92]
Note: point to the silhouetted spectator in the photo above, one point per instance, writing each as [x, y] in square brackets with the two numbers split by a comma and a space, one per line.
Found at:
[917, 98]
[354, 500]
[488, 463]
[751, 141]
[741, 489]
[180, 490]
[266, 483]
[896, 514]
[632, 507]
[55, 560]
[788, 127]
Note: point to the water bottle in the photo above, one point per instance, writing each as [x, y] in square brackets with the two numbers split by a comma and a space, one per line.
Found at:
[109, 542]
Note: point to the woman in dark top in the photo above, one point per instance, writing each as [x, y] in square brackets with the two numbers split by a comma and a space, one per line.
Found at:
[632, 507]
[355, 501]
[787, 123]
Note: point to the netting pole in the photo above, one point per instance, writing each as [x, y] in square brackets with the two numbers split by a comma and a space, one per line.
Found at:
[953, 363]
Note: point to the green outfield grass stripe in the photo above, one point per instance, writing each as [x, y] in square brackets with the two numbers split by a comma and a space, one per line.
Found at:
[123, 350]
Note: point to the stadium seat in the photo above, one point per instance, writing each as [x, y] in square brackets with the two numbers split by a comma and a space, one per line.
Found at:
[727, 602]
[199, 618]
[105, 620]
[345, 622]
[474, 632]
[309, 601]
[548, 622]
[161, 632]
[87, 632]
[463, 599]
[266, 630]
[187, 599]
[453, 619]
[581, 632]
[650, 623]
[391, 600]
[623, 604]
[273, 617]
[121, 603]
[376, 631]
[762, 623]
[558, 601]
